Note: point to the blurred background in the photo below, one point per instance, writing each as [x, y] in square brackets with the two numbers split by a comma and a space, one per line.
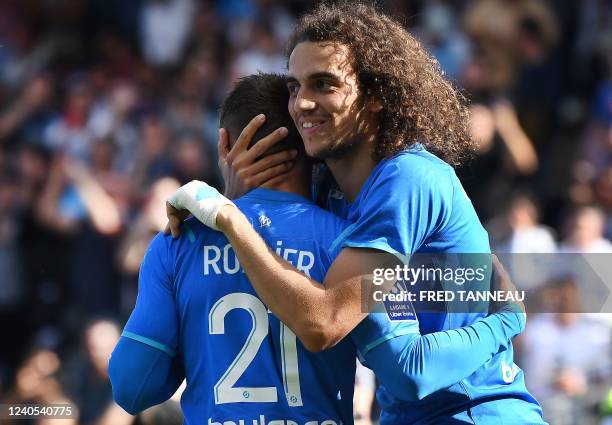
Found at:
[107, 106]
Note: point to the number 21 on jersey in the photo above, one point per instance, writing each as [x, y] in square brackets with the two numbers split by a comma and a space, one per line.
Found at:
[224, 389]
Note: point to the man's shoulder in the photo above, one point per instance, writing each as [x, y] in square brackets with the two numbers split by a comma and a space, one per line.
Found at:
[414, 170]
[297, 209]
[418, 162]
[192, 231]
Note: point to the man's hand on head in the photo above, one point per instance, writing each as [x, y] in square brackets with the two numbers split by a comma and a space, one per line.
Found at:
[242, 168]
[198, 199]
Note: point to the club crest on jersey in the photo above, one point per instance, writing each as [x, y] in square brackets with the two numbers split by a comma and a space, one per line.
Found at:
[264, 221]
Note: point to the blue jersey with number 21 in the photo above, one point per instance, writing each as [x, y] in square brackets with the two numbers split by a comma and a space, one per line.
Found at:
[243, 366]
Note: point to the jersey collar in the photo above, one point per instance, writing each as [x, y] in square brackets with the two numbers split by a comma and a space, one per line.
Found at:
[275, 195]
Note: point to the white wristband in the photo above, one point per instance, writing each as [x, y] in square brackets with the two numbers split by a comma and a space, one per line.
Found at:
[201, 200]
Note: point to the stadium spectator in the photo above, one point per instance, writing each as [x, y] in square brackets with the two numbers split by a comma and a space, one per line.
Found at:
[71, 132]
[519, 230]
[585, 233]
[149, 221]
[87, 380]
[567, 358]
[165, 26]
[36, 382]
[151, 159]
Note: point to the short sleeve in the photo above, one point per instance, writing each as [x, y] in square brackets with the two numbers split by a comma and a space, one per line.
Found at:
[405, 204]
[154, 320]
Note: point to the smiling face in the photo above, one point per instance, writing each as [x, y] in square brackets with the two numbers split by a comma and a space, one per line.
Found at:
[325, 102]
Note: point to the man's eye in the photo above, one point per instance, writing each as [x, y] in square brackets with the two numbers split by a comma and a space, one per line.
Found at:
[323, 85]
[293, 89]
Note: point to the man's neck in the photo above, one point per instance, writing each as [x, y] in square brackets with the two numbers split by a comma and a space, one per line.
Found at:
[297, 181]
[352, 170]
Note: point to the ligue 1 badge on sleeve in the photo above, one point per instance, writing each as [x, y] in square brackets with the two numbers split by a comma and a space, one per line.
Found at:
[398, 303]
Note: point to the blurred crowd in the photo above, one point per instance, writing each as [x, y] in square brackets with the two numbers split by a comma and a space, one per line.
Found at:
[107, 106]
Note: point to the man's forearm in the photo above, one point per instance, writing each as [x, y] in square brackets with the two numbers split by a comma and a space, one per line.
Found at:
[414, 366]
[303, 304]
[320, 315]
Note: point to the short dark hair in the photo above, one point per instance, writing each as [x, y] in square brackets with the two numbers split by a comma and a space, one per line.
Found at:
[260, 94]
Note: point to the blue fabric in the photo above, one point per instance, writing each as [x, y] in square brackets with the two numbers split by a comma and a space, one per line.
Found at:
[413, 367]
[142, 376]
[149, 342]
[185, 283]
[413, 203]
[194, 295]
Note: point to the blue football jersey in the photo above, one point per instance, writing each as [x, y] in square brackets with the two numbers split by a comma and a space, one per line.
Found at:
[243, 366]
[413, 203]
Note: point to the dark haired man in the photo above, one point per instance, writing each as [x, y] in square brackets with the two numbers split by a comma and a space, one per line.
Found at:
[242, 364]
[372, 103]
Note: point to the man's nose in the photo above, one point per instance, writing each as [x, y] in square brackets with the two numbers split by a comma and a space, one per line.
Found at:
[303, 102]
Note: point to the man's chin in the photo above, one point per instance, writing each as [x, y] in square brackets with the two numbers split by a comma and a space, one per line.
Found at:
[320, 153]
[330, 152]
[314, 149]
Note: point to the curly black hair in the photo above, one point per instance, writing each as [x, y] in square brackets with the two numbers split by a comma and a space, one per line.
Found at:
[419, 104]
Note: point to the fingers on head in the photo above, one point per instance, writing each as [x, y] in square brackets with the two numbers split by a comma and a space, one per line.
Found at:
[269, 140]
[248, 132]
[271, 173]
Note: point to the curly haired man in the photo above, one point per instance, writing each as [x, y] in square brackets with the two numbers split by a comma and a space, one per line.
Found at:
[373, 104]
